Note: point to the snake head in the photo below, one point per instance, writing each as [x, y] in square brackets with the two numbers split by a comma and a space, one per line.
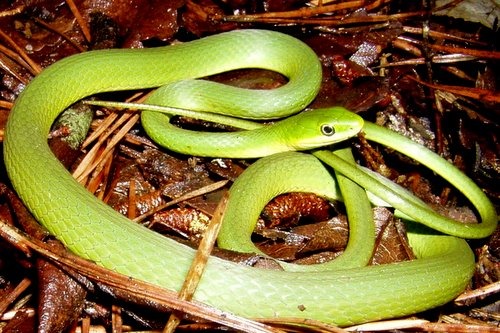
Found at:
[322, 127]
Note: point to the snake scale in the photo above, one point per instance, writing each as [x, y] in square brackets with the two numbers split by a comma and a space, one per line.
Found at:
[94, 231]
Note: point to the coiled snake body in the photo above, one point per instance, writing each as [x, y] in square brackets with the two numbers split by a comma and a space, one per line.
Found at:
[94, 231]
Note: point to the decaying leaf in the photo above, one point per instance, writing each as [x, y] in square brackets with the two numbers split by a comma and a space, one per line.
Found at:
[486, 12]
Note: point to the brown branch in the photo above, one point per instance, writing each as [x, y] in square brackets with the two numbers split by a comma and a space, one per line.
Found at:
[476, 93]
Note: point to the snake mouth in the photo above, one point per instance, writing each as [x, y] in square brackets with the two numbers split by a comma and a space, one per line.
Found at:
[321, 127]
[341, 132]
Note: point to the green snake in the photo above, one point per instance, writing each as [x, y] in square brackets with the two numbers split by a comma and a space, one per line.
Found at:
[94, 231]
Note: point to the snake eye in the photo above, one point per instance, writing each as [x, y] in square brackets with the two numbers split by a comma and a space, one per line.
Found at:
[327, 130]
